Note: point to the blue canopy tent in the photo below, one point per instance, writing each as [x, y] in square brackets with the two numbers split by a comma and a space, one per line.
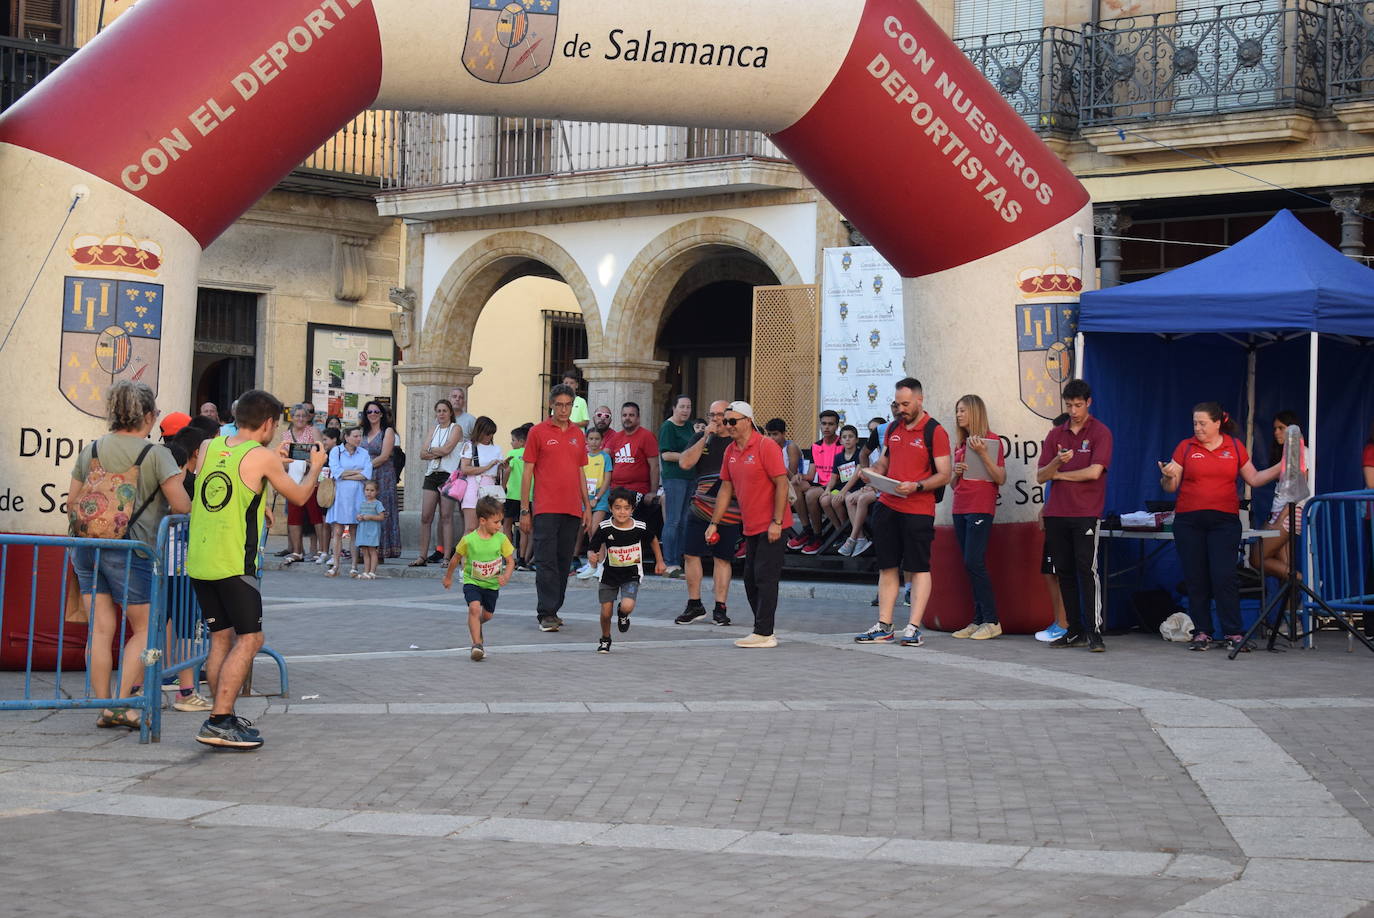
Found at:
[1252, 327]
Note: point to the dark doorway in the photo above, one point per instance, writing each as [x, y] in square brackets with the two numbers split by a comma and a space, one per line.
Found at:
[225, 362]
[707, 343]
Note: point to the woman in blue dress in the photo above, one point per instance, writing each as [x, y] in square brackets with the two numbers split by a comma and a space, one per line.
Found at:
[349, 465]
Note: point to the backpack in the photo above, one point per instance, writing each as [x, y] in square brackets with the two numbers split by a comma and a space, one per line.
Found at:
[398, 458]
[931, 426]
[103, 508]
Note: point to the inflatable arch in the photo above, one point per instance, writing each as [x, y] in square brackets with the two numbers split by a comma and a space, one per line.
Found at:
[121, 167]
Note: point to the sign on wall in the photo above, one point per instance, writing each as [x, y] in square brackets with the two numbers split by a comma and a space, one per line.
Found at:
[348, 367]
[862, 348]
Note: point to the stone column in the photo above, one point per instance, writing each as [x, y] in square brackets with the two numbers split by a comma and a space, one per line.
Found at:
[1110, 220]
[1351, 204]
[614, 382]
[425, 384]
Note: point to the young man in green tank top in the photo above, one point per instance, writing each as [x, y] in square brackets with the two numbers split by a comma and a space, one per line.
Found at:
[227, 519]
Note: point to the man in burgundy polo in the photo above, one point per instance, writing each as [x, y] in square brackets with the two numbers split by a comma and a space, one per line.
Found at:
[756, 475]
[916, 455]
[555, 453]
[1076, 457]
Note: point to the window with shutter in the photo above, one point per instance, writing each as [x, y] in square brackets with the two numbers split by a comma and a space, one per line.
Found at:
[42, 20]
[991, 17]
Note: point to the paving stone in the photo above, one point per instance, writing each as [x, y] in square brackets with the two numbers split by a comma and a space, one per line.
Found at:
[537, 707]
[1202, 866]
[1240, 899]
[805, 845]
[329, 708]
[437, 707]
[1331, 878]
[1301, 827]
[676, 838]
[636, 707]
[1114, 863]
[144, 807]
[276, 817]
[948, 853]
[542, 831]
[418, 824]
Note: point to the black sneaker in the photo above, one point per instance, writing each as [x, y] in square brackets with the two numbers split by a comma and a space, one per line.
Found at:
[1095, 643]
[435, 557]
[694, 611]
[604, 645]
[1072, 639]
[874, 603]
[230, 735]
[622, 620]
[719, 616]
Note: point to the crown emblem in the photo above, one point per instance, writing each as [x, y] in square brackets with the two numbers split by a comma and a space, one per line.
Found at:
[1051, 280]
[116, 252]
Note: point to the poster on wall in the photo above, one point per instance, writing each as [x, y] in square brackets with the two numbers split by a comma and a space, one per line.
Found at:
[862, 347]
[348, 367]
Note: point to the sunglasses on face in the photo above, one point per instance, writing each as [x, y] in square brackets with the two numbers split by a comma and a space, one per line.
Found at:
[731, 422]
[373, 411]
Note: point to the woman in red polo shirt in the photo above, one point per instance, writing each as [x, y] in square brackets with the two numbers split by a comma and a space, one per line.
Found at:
[975, 503]
[1207, 528]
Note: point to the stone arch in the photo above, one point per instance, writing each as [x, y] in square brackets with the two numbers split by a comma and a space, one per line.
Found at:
[479, 272]
[644, 297]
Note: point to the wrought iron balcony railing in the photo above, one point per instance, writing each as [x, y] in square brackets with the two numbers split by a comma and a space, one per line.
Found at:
[1352, 51]
[439, 150]
[24, 63]
[1256, 54]
[1037, 71]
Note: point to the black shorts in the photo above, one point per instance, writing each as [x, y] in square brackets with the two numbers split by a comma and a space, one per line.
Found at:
[234, 602]
[512, 510]
[694, 541]
[902, 539]
[473, 593]
[434, 479]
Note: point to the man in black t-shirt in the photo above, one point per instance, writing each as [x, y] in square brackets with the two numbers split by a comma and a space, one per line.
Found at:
[704, 456]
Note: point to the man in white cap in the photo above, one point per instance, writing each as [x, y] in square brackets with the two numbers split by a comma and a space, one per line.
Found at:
[755, 473]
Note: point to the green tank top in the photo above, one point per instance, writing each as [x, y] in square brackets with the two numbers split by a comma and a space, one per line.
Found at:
[226, 516]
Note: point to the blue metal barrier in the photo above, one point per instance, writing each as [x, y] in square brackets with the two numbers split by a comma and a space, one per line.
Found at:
[48, 589]
[1338, 559]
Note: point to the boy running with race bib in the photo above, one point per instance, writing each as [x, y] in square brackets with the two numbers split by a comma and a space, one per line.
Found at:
[488, 559]
[622, 540]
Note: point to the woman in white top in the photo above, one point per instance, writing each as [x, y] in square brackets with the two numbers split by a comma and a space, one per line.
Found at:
[480, 462]
[1271, 555]
[442, 455]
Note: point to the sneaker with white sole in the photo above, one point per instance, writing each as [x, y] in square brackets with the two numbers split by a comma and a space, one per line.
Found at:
[860, 547]
[549, 624]
[911, 637]
[758, 640]
[586, 572]
[192, 702]
[231, 735]
[604, 645]
[478, 653]
[987, 631]
[1053, 632]
[847, 548]
[965, 632]
[878, 634]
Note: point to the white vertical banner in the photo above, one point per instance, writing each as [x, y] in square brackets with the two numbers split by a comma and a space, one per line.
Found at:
[863, 351]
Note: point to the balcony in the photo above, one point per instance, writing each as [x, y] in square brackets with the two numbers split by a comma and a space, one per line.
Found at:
[1352, 64]
[470, 164]
[355, 162]
[1036, 71]
[24, 63]
[1200, 68]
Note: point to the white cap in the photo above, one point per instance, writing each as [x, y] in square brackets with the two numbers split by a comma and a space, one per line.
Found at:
[743, 408]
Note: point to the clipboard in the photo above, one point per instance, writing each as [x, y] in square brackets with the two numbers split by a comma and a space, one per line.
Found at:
[977, 471]
[882, 483]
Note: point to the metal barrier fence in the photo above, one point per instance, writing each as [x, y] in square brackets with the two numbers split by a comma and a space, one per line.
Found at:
[42, 594]
[1338, 559]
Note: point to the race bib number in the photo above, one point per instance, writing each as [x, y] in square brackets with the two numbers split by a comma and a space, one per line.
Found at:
[846, 471]
[624, 556]
[486, 570]
[592, 485]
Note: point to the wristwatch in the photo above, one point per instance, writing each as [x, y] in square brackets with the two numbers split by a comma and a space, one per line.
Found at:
[920, 486]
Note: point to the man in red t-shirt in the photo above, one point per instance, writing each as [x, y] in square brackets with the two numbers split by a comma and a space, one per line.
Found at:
[555, 453]
[1075, 458]
[755, 474]
[916, 455]
[634, 465]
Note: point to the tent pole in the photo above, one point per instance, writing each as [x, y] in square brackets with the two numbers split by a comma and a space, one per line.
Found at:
[1082, 358]
[1312, 413]
[1250, 412]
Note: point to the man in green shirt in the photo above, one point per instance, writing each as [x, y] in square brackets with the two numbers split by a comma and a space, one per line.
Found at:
[674, 436]
[579, 415]
[228, 514]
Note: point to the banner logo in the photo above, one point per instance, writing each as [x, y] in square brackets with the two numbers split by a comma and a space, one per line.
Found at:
[843, 364]
[111, 328]
[844, 311]
[510, 41]
[1045, 350]
[875, 338]
[872, 393]
[877, 283]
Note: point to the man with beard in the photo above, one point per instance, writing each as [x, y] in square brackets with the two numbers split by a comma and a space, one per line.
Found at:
[704, 457]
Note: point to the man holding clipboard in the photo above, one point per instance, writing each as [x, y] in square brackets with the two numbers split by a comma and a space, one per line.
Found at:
[915, 463]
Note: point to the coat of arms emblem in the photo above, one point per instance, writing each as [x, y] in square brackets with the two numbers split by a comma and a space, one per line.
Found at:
[510, 41]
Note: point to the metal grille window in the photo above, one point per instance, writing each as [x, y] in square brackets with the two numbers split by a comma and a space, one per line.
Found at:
[1352, 51]
[786, 354]
[226, 321]
[565, 341]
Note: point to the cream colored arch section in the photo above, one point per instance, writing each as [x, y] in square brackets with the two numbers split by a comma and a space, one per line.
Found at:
[478, 273]
[637, 311]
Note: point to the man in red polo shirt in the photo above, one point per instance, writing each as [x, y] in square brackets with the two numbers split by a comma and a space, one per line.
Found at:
[1075, 458]
[916, 454]
[555, 452]
[756, 475]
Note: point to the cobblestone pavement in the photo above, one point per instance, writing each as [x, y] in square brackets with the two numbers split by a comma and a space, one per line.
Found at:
[679, 775]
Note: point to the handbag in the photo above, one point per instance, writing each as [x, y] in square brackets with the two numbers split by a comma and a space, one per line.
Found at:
[324, 493]
[456, 487]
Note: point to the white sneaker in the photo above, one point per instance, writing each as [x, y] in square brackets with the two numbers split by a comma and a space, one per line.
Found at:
[847, 549]
[321, 558]
[758, 640]
[860, 547]
[192, 702]
[586, 572]
[1053, 632]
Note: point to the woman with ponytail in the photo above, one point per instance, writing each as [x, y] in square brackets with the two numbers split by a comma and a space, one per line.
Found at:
[1207, 528]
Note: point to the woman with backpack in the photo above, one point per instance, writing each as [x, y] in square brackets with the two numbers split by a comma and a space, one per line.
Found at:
[1203, 471]
[121, 488]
